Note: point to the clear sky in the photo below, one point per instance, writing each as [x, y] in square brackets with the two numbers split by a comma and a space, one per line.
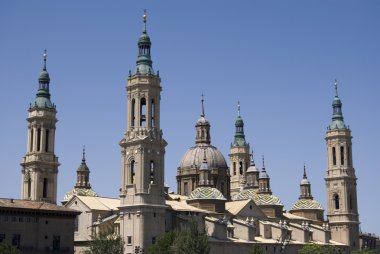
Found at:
[279, 58]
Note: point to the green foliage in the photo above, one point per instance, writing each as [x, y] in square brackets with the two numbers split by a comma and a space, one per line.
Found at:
[319, 249]
[366, 252]
[106, 243]
[255, 250]
[6, 248]
[163, 244]
[188, 240]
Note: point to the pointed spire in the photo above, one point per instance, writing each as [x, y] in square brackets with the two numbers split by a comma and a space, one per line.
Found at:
[239, 129]
[84, 154]
[144, 64]
[304, 171]
[337, 118]
[45, 56]
[203, 108]
[263, 162]
[144, 19]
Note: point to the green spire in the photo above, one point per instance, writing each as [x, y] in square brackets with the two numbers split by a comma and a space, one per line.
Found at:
[337, 118]
[43, 94]
[144, 61]
[239, 132]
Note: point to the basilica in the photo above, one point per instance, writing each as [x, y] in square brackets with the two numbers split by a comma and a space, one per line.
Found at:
[232, 202]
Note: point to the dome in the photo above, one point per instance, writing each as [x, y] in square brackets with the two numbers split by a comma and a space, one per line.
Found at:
[305, 181]
[263, 174]
[259, 199]
[83, 167]
[202, 121]
[194, 157]
[206, 193]
[79, 192]
[246, 194]
[306, 204]
[44, 77]
[252, 168]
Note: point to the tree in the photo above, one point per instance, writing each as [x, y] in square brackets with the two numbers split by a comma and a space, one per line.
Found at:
[6, 248]
[107, 242]
[319, 249]
[187, 240]
[255, 250]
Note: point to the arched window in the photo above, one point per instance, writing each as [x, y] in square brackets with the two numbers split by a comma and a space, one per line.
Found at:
[342, 155]
[38, 139]
[350, 202]
[334, 156]
[133, 113]
[29, 187]
[45, 186]
[336, 201]
[348, 156]
[47, 140]
[152, 113]
[240, 167]
[203, 134]
[31, 139]
[142, 112]
[234, 168]
[132, 171]
[151, 171]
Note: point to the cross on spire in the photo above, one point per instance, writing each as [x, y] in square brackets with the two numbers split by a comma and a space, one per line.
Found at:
[144, 20]
[336, 87]
[45, 56]
[238, 108]
[203, 108]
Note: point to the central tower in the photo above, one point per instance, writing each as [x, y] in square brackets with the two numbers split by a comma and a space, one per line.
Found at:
[142, 207]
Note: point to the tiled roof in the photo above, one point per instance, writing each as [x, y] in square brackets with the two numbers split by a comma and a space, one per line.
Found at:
[17, 204]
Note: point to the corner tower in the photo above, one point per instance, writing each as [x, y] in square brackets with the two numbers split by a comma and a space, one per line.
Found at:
[342, 209]
[40, 165]
[239, 157]
[142, 207]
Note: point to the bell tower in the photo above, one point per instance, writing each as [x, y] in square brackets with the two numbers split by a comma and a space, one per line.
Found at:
[342, 209]
[142, 197]
[40, 165]
[239, 157]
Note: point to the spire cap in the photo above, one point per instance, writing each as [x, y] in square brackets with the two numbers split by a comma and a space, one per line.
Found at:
[304, 180]
[44, 77]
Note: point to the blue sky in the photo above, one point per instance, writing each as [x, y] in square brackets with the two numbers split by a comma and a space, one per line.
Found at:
[279, 58]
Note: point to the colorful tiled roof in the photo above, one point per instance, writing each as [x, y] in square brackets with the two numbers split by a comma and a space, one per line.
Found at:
[206, 193]
[88, 192]
[259, 199]
[306, 204]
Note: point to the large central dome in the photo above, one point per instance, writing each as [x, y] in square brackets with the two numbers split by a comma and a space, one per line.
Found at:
[193, 157]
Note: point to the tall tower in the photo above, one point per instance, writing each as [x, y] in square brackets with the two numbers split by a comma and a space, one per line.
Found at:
[342, 209]
[142, 205]
[239, 157]
[40, 165]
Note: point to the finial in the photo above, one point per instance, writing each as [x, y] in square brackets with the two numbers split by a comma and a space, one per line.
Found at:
[304, 171]
[263, 162]
[203, 108]
[45, 55]
[252, 154]
[336, 87]
[238, 108]
[144, 19]
[84, 153]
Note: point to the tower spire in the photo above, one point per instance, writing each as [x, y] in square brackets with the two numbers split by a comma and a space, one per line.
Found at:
[239, 129]
[144, 20]
[203, 108]
[337, 118]
[144, 64]
[238, 108]
[84, 154]
[304, 171]
[45, 56]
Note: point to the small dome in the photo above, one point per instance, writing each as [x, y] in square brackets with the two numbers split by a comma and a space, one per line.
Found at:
[245, 194]
[252, 168]
[206, 193]
[79, 192]
[83, 167]
[259, 199]
[306, 204]
[44, 77]
[202, 121]
[263, 174]
[336, 101]
[305, 181]
[194, 157]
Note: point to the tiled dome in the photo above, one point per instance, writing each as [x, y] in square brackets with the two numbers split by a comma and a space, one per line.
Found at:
[306, 204]
[206, 193]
